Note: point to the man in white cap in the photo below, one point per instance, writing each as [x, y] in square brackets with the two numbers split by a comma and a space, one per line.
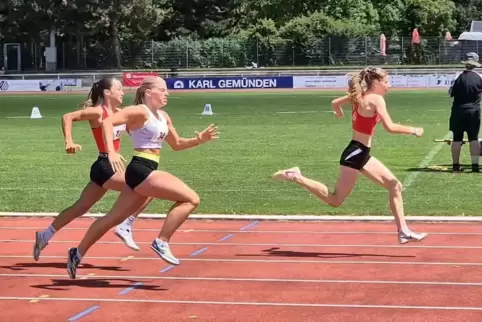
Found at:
[465, 116]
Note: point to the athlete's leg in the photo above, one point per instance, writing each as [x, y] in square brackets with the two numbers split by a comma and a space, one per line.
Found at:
[159, 185]
[346, 181]
[381, 175]
[124, 229]
[126, 204]
[91, 194]
[165, 186]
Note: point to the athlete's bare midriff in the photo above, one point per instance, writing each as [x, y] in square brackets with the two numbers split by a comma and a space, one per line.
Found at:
[363, 138]
[150, 151]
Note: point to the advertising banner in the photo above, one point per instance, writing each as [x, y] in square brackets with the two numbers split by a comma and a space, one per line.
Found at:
[441, 80]
[39, 85]
[336, 81]
[229, 83]
[134, 79]
[341, 81]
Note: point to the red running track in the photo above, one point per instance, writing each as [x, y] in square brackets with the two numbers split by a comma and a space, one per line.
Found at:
[245, 271]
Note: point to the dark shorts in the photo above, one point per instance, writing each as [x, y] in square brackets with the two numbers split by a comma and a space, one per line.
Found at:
[355, 155]
[101, 170]
[138, 170]
[467, 120]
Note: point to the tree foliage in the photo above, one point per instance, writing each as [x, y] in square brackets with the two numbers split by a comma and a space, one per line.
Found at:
[105, 24]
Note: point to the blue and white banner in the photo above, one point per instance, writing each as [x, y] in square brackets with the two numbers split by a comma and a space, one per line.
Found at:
[39, 85]
[230, 82]
[341, 81]
[329, 81]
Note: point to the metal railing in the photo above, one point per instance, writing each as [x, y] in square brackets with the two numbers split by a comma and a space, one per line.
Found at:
[235, 53]
[88, 78]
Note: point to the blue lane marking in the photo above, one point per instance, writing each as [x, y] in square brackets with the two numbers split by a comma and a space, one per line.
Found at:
[226, 237]
[84, 313]
[127, 290]
[200, 251]
[250, 225]
[167, 269]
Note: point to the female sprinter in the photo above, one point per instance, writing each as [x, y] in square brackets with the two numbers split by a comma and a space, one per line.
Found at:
[148, 125]
[104, 99]
[366, 91]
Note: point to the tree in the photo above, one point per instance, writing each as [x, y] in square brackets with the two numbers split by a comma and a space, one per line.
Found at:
[465, 12]
[432, 17]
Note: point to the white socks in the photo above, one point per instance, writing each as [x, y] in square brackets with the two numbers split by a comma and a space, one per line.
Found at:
[127, 224]
[48, 233]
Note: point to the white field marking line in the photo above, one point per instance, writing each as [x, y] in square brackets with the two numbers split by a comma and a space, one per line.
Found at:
[308, 232]
[304, 112]
[243, 279]
[27, 117]
[285, 218]
[357, 306]
[409, 180]
[12, 241]
[277, 261]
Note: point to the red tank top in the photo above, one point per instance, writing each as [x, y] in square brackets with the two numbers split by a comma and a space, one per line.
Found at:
[362, 124]
[99, 139]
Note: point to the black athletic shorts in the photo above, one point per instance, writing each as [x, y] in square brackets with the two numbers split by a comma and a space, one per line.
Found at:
[355, 155]
[465, 120]
[101, 170]
[138, 170]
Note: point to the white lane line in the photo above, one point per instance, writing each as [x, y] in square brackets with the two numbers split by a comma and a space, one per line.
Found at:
[267, 261]
[273, 218]
[410, 179]
[12, 241]
[253, 303]
[257, 231]
[242, 279]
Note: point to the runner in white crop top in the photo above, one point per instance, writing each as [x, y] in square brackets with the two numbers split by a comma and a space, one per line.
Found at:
[149, 126]
[152, 134]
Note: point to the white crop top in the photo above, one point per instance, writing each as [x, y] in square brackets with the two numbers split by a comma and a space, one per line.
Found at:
[152, 134]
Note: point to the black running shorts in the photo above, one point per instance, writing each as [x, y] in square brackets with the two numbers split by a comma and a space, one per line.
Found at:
[138, 170]
[101, 170]
[355, 155]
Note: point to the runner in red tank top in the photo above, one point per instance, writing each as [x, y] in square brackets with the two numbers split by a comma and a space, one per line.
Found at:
[98, 137]
[366, 95]
[104, 99]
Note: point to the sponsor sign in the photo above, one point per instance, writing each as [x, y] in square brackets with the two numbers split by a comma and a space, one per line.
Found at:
[39, 85]
[229, 83]
[134, 79]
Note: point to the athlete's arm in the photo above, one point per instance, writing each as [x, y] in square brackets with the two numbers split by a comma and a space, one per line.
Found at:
[131, 116]
[387, 122]
[336, 105]
[178, 143]
[87, 114]
[338, 102]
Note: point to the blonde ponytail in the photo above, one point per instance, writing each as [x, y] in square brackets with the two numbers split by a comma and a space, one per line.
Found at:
[355, 89]
[362, 81]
